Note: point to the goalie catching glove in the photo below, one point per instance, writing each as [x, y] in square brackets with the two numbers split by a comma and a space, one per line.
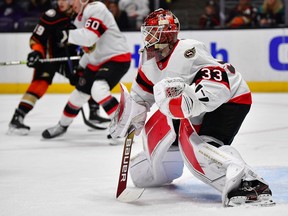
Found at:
[129, 113]
[178, 100]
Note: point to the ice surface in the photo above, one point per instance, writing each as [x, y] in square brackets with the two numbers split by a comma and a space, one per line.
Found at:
[77, 174]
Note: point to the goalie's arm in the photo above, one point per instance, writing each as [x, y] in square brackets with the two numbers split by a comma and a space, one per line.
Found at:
[191, 100]
[206, 96]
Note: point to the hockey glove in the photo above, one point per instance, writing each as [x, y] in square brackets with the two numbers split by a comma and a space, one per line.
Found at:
[62, 37]
[74, 78]
[33, 59]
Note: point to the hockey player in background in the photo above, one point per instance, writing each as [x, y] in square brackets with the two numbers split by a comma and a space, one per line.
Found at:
[202, 103]
[105, 61]
[44, 45]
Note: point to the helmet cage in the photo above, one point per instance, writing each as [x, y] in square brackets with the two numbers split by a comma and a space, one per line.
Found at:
[151, 35]
[160, 29]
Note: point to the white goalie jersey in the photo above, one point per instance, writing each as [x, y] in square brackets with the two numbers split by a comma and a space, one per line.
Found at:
[98, 33]
[208, 82]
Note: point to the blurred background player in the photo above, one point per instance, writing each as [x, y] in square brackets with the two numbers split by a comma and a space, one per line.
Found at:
[105, 61]
[44, 45]
[202, 104]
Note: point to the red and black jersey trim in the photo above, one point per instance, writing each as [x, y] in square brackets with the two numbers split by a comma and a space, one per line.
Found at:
[54, 22]
[245, 98]
[144, 82]
[216, 74]
[95, 25]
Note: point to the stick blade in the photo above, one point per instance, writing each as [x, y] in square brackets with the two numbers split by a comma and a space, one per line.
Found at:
[130, 194]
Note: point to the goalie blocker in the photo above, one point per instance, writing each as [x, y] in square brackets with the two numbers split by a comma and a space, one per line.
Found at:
[129, 113]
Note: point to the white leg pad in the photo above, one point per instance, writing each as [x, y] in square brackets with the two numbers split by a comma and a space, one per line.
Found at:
[234, 175]
[147, 174]
[232, 151]
[223, 168]
[141, 170]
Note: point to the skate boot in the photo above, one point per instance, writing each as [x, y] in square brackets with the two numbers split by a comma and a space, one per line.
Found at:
[250, 193]
[97, 120]
[16, 125]
[55, 131]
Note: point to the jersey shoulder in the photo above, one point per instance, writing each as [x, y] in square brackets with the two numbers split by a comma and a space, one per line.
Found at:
[94, 9]
[185, 43]
[53, 16]
[195, 49]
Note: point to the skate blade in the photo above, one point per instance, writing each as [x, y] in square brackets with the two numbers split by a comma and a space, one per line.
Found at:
[264, 200]
[98, 126]
[17, 131]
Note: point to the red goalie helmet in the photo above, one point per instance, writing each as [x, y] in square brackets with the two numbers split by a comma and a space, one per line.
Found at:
[160, 28]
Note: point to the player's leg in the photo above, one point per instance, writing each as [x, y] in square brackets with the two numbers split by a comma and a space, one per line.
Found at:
[160, 162]
[77, 99]
[94, 112]
[106, 78]
[94, 115]
[42, 78]
[210, 158]
[71, 110]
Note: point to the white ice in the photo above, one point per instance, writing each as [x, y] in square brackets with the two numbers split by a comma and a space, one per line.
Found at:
[77, 174]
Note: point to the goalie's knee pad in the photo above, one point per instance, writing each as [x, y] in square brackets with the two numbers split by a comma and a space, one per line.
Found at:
[147, 174]
[173, 164]
[100, 91]
[141, 170]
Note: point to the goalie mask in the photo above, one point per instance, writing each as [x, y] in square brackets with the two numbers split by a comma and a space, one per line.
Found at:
[160, 30]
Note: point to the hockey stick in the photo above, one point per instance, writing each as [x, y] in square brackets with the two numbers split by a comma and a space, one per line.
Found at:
[90, 124]
[123, 193]
[60, 59]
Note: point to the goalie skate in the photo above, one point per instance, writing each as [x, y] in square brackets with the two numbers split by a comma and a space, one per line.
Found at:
[250, 193]
[55, 131]
[16, 125]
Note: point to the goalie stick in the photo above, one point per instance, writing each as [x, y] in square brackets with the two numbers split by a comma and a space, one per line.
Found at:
[60, 59]
[125, 194]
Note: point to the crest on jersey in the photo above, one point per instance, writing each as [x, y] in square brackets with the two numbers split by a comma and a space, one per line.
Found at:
[82, 81]
[190, 53]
